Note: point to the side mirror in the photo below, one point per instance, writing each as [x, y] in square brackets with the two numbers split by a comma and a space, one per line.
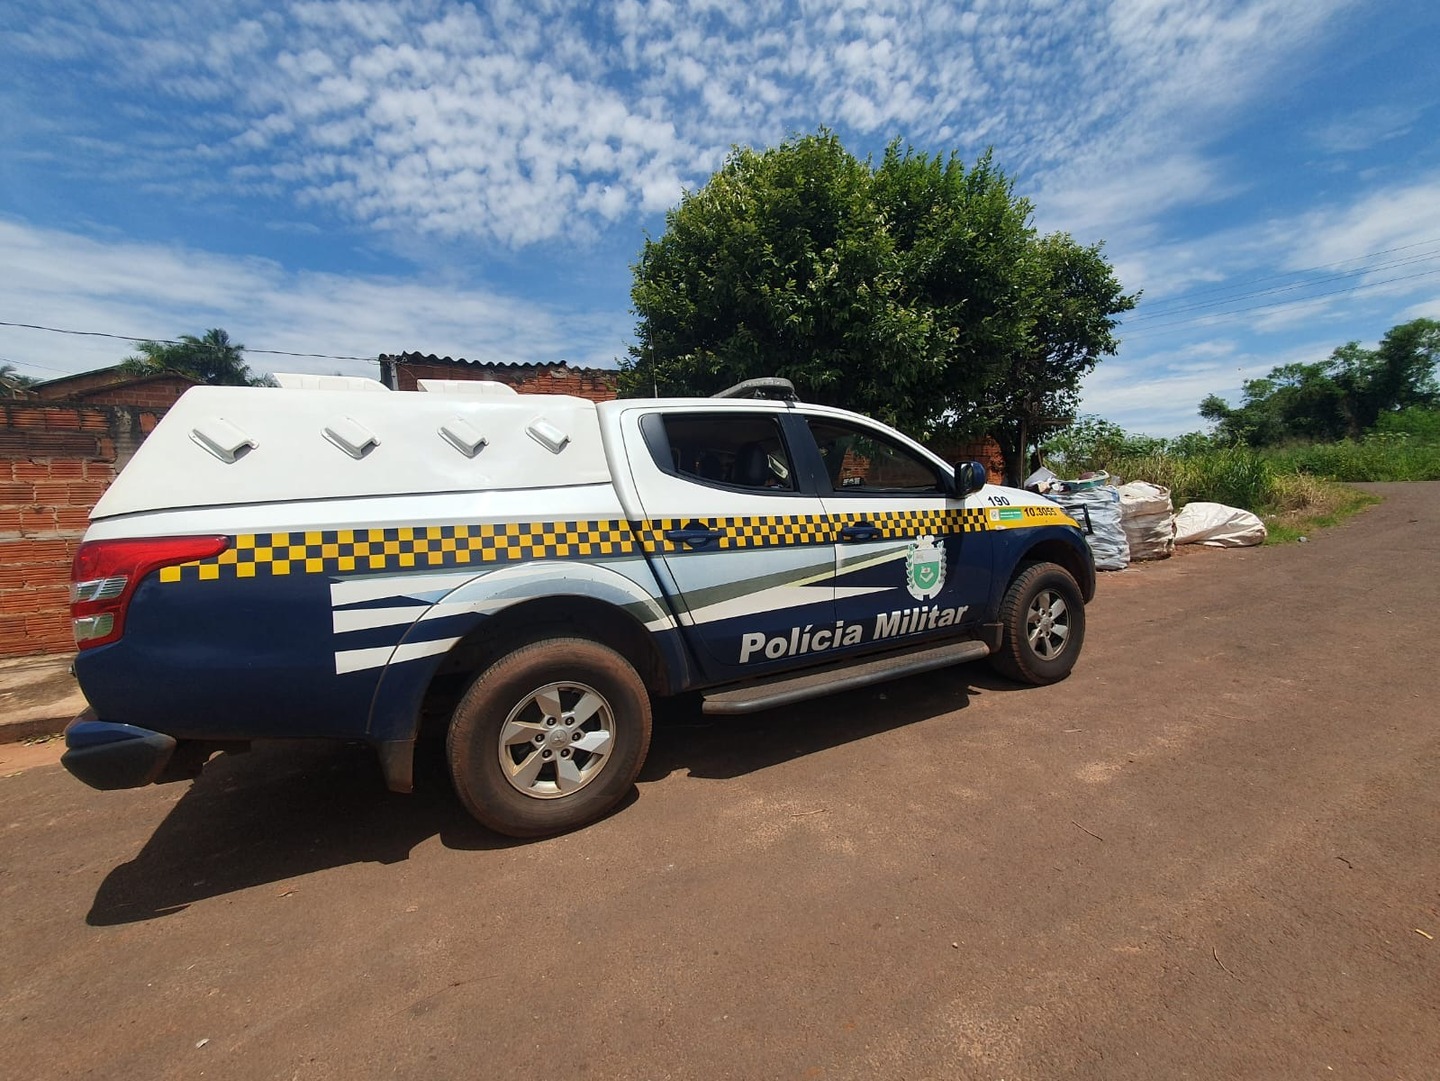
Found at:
[970, 477]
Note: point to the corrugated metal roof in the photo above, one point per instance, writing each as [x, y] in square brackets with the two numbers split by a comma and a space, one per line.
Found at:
[512, 366]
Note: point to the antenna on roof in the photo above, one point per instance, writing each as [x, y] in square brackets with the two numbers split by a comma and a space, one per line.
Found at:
[769, 386]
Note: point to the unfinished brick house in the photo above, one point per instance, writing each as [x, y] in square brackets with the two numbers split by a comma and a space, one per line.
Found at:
[404, 370]
[61, 444]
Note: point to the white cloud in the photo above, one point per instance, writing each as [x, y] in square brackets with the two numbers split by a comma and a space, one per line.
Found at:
[515, 123]
[67, 281]
[498, 121]
[1159, 392]
[1343, 265]
[1393, 217]
[1365, 128]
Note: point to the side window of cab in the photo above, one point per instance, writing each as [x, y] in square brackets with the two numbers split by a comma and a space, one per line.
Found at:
[742, 451]
[860, 461]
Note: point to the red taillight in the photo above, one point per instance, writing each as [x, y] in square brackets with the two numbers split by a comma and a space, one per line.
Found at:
[105, 574]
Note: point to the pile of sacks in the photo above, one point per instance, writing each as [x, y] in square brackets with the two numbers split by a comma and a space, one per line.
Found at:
[1137, 521]
[1217, 526]
[1148, 518]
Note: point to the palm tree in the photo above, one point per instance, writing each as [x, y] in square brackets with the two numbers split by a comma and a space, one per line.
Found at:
[12, 380]
[213, 359]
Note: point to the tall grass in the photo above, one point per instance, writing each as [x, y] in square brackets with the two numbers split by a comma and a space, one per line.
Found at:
[1235, 476]
[1381, 456]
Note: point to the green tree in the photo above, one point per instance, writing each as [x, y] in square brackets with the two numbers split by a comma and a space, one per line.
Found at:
[964, 263]
[1344, 396]
[213, 359]
[1072, 297]
[1400, 374]
[916, 291]
[780, 265]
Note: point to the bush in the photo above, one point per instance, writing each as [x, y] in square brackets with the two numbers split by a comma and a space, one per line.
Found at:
[1300, 494]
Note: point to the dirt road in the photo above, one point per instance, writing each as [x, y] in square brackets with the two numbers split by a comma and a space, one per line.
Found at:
[1214, 852]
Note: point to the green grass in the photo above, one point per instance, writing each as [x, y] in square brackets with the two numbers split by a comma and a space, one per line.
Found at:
[1382, 456]
[1301, 504]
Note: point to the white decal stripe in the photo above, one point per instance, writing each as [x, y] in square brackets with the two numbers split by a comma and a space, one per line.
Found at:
[766, 600]
[870, 557]
[359, 660]
[413, 651]
[489, 607]
[420, 586]
[486, 607]
[363, 619]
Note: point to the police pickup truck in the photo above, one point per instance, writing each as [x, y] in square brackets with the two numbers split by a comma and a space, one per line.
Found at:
[526, 573]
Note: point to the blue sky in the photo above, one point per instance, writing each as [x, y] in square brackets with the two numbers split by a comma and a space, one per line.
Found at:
[356, 178]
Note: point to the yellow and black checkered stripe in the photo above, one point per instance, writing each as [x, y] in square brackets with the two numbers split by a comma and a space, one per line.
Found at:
[375, 551]
[798, 529]
[372, 551]
[904, 524]
[777, 531]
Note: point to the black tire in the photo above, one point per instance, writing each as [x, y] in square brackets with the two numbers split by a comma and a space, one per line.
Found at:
[1043, 615]
[525, 743]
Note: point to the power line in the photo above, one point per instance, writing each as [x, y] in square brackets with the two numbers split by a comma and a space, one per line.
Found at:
[173, 341]
[31, 364]
[1222, 316]
[1188, 295]
[1310, 283]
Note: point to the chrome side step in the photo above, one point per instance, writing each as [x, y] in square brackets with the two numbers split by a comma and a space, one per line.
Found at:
[784, 690]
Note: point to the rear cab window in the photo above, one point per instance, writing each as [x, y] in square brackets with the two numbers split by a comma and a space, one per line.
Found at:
[738, 451]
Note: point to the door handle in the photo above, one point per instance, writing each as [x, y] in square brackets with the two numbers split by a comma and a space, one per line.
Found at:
[695, 534]
[860, 531]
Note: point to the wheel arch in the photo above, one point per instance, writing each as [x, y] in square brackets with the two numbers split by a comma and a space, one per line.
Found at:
[495, 613]
[1064, 553]
[569, 616]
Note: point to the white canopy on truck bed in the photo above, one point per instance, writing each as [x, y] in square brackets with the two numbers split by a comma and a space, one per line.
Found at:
[221, 445]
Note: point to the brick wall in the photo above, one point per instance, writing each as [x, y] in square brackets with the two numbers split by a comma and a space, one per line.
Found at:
[152, 394]
[55, 463]
[980, 450]
[113, 386]
[596, 384]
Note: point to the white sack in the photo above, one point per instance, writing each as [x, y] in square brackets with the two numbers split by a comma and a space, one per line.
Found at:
[1148, 518]
[1107, 537]
[1218, 526]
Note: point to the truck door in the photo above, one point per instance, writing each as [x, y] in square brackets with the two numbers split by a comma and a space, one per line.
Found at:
[741, 547]
[911, 561]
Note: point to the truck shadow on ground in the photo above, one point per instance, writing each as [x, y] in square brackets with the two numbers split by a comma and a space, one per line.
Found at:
[720, 747]
[286, 810]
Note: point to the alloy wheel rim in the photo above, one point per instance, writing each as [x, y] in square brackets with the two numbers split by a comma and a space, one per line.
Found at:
[1047, 624]
[557, 740]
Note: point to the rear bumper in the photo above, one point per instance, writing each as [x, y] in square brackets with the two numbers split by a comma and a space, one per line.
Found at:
[106, 755]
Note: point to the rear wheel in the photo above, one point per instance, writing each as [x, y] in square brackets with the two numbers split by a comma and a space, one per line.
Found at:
[550, 737]
[1043, 616]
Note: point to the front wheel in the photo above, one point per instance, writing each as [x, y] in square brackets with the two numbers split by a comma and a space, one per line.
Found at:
[550, 737]
[1043, 616]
